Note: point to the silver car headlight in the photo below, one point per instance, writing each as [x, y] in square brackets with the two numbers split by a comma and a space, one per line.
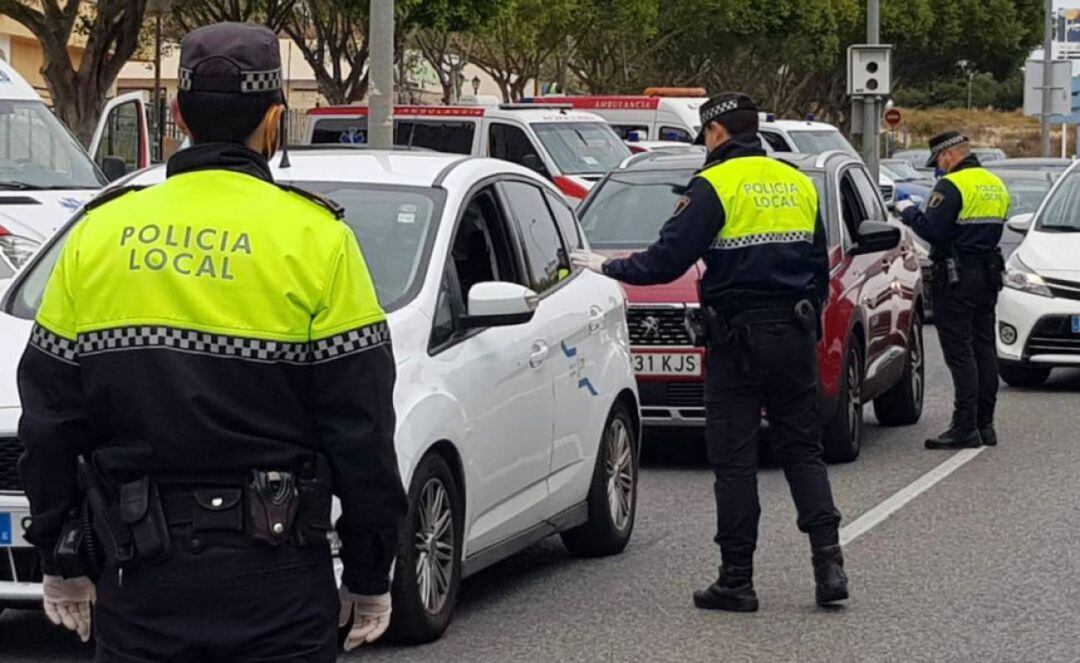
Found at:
[16, 248]
[1019, 276]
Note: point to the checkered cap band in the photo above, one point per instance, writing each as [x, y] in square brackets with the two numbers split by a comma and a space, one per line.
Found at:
[786, 237]
[184, 82]
[952, 142]
[710, 114]
[59, 347]
[260, 81]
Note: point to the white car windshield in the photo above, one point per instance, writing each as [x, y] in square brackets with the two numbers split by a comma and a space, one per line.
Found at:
[628, 208]
[1062, 211]
[816, 141]
[581, 148]
[394, 225]
[38, 152]
[901, 170]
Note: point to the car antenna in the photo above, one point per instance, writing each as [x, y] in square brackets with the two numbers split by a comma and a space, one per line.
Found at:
[285, 163]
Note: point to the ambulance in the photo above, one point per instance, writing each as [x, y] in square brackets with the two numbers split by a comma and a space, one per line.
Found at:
[571, 148]
[45, 174]
[660, 114]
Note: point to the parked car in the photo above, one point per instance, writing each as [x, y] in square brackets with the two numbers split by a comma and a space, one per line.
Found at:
[1027, 188]
[45, 174]
[1050, 165]
[571, 148]
[988, 154]
[1039, 309]
[517, 410]
[908, 183]
[872, 346]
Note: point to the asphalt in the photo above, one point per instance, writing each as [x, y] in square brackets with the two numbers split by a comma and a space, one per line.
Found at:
[983, 566]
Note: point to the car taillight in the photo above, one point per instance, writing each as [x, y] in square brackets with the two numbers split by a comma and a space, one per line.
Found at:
[570, 188]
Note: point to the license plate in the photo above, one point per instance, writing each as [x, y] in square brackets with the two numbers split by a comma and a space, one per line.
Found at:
[5, 530]
[679, 364]
[1076, 324]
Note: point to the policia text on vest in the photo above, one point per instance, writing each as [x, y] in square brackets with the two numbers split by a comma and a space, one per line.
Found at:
[184, 249]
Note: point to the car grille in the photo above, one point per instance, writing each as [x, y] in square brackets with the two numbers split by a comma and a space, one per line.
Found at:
[10, 450]
[686, 394]
[1053, 335]
[1063, 289]
[657, 326]
[886, 192]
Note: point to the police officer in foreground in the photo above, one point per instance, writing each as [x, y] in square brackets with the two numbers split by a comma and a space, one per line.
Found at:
[756, 223]
[963, 222]
[208, 365]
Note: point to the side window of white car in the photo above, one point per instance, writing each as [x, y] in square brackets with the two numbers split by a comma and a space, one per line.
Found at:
[564, 216]
[541, 244]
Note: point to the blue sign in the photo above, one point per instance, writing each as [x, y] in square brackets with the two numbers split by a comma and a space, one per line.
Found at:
[5, 529]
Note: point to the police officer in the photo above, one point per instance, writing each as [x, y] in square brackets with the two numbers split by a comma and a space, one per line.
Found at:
[210, 359]
[756, 223]
[963, 222]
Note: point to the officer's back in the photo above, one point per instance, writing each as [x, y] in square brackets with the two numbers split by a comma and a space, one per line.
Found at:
[210, 362]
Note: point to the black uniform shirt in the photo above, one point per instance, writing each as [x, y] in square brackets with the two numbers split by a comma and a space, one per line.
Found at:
[787, 268]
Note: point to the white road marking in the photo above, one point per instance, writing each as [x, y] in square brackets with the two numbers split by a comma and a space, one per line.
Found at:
[879, 513]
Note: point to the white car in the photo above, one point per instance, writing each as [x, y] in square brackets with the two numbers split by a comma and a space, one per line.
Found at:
[1039, 309]
[517, 409]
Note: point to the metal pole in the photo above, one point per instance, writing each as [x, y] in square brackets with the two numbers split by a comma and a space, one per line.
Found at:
[159, 110]
[871, 129]
[1047, 79]
[381, 95]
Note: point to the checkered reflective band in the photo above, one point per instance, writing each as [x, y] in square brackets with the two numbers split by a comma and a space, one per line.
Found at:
[191, 341]
[786, 237]
[260, 81]
[952, 142]
[981, 220]
[184, 82]
[59, 347]
[716, 111]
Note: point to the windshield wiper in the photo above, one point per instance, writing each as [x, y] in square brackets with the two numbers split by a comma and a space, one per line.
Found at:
[15, 185]
[1060, 228]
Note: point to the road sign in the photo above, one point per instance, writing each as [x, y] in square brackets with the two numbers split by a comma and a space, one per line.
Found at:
[892, 117]
[1060, 88]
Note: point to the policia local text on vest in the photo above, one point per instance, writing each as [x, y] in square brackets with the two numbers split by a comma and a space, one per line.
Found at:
[755, 221]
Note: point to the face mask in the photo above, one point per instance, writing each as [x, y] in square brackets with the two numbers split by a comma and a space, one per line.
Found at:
[938, 173]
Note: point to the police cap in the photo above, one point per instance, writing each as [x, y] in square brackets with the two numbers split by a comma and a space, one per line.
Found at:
[942, 142]
[722, 104]
[230, 58]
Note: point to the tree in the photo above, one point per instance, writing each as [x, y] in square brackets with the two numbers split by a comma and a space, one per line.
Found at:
[332, 36]
[190, 14]
[439, 31]
[112, 30]
[616, 42]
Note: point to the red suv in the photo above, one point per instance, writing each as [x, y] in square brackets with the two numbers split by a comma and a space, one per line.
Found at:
[872, 347]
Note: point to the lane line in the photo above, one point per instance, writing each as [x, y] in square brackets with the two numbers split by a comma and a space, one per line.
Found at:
[881, 512]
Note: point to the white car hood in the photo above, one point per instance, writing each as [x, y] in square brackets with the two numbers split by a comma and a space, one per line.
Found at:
[55, 208]
[15, 333]
[1052, 254]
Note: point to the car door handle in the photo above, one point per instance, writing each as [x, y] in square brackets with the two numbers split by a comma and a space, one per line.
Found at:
[596, 319]
[886, 263]
[539, 354]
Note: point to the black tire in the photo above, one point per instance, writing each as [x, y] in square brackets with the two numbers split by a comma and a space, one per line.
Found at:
[902, 405]
[416, 620]
[843, 434]
[1021, 375]
[606, 533]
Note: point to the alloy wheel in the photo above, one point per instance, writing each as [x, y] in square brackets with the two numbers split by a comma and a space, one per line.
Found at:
[434, 541]
[855, 405]
[619, 469]
[917, 365]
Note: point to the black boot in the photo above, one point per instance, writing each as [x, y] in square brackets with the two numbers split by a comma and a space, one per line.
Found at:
[734, 591]
[829, 575]
[953, 439]
[988, 435]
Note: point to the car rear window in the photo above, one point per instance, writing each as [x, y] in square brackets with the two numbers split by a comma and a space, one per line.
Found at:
[452, 136]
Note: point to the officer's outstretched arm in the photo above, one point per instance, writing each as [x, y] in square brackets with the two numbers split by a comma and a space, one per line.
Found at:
[684, 239]
[352, 393]
[937, 224]
[55, 427]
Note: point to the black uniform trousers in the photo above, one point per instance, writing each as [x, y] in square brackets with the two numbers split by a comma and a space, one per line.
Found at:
[220, 605]
[964, 316]
[774, 368]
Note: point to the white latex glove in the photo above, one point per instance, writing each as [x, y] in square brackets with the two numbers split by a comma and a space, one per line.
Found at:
[370, 615]
[588, 260]
[902, 205]
[67, 603]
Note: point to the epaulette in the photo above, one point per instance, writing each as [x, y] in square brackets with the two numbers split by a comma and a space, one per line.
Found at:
[111, 194]
[337, 210]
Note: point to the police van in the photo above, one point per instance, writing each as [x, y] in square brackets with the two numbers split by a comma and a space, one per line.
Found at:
[572, 149]
[45, 174]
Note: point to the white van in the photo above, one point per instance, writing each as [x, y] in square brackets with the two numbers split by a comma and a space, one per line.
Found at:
[45, 174]
[570, 148]
[661, 114]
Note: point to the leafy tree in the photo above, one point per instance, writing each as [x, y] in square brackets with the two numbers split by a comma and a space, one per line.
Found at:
[190, 14]
[333, 38]
[112, 30]
[439, 31]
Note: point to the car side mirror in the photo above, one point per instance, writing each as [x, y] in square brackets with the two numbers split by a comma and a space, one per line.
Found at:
[499, 304]
[113, 167]
[533, 162]
[875, 237]
[1021, 223]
